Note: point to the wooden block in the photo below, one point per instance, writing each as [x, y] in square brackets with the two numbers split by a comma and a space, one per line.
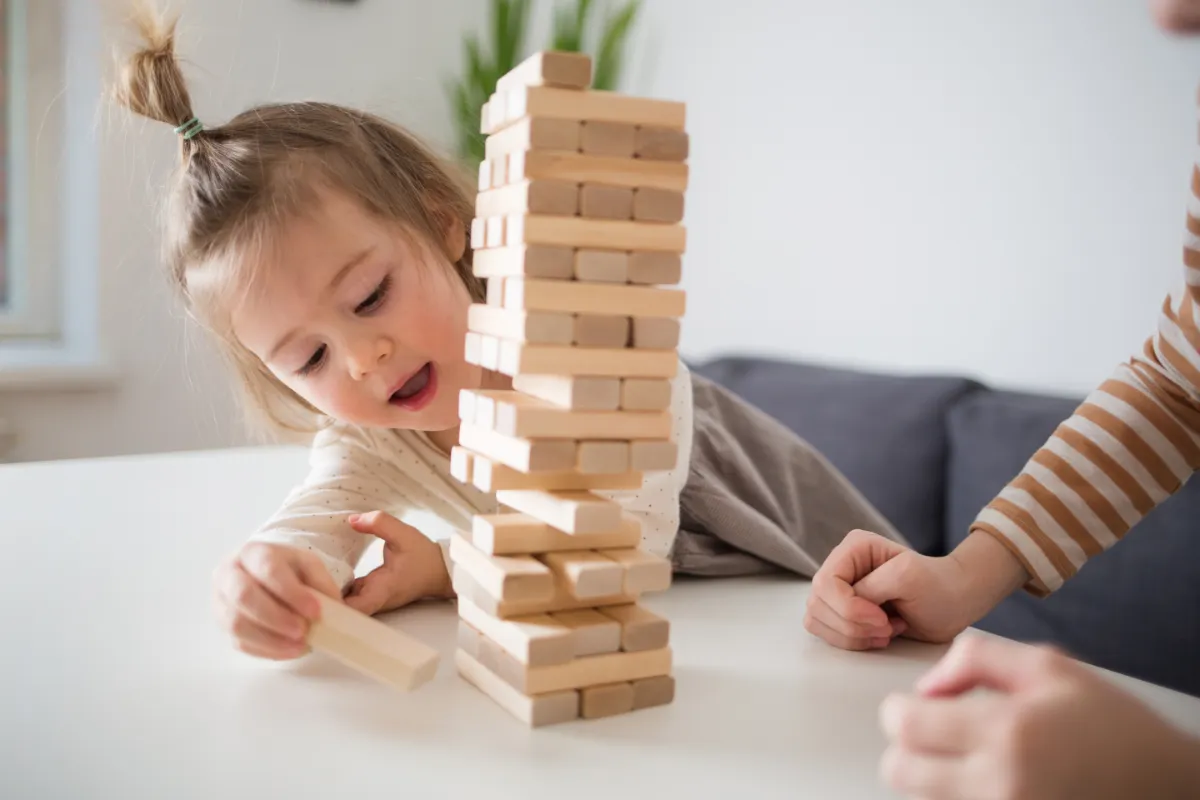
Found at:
[654, 268]
[593, 632]
[601, 266]
[494, 231]
[478, 233]
[653, 333]
[614, 139]
[605, 202]
[600, 330]
[485, 175]
[495, 292]
[580, 394]
[497, 112]
[535, 134]
[519, 358]
[531, 262]
[660, 144]
[509, 578]
[605, 700]
[551, 422]
[590, 671]
[365, 644]
[566, 70]
[657, 205]
[535, 327]
[499, 172]
[593, 106]
[536, 294]
[601, 233]
[535, 640]
[534, 197]
[545, 709]
[460, 462]
[644, 572]
[645, 394]
[523, 455]
[656, 691]
[580, 168]
[601, 458]
[485, 116]
[509, 534]
[641, 629]
[489, 353]
[569, 511]
[473, 348]
[586, 573]
[465, 586]
[652, 456]
[489, 476]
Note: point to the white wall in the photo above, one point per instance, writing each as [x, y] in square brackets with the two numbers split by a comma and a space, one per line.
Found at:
[881, 183]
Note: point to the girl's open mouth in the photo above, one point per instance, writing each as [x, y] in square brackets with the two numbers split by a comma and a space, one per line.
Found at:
[417, 391]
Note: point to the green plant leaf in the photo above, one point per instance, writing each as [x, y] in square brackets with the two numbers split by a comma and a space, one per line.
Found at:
[518, 24]
[607, 70]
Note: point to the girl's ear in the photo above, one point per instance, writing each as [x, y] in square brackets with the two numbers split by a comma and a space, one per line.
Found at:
[456, 239]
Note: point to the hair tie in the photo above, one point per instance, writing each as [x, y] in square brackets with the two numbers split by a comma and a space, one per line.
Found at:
[190, 128]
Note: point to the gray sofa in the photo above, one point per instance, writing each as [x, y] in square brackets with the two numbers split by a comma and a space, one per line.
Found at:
[931, 451]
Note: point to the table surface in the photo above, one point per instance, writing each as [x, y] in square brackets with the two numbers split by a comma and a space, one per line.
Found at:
[117, 682]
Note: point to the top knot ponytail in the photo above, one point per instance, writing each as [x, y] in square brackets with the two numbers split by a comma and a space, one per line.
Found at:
[151, 83]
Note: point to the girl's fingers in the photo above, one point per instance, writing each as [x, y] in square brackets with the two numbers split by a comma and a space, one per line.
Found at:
[249, 601]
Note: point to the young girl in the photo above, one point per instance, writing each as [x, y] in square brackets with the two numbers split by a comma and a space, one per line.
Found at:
[326, 251]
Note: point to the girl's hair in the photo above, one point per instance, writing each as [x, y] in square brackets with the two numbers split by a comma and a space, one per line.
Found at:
[236, 183]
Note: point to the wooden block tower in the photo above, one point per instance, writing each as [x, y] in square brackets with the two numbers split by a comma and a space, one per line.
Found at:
[578, 235]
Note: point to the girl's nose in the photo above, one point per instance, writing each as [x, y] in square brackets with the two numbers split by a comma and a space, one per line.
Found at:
[368, 355]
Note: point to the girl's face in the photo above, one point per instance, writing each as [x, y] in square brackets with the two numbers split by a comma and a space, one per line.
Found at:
[362, 323]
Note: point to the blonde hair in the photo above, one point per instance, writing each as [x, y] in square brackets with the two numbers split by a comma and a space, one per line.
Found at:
[238, 182]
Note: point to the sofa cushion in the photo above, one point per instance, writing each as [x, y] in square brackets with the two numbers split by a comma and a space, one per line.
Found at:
[1134, 609]
[885, 433]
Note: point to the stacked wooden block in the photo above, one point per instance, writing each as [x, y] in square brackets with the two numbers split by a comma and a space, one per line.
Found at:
[578, 235]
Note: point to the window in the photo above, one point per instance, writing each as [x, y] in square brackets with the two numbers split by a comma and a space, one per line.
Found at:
[48, 193]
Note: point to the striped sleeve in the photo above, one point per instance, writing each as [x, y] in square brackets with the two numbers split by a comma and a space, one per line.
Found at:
[1132, 443]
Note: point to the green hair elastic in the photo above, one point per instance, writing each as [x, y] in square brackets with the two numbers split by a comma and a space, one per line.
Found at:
[190, 128]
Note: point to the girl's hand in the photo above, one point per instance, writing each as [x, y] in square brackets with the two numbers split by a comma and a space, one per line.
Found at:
[1050, 728]
[413, 567]
[263, 598]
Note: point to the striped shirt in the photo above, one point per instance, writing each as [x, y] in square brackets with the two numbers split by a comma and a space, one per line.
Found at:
[1132, 443]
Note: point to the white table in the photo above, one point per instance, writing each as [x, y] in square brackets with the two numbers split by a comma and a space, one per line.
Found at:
[117, 683]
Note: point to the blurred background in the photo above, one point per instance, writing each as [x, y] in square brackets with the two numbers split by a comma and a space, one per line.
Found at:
[993, 189]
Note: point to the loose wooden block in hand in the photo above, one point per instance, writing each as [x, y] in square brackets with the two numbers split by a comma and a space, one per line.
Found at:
[533, 294]
[579, 168]
[512, 578]
[545, 709]
[592, 106]
[566, 70]
[614, 139]
[465, 586]
[654, 268]
[519, 358]
[645, 394]
[660, 144]
[535, 640]
[523, 455]
[653, 456]
[535, 134]
[530, 262]
[601, 330]
[579, 394]
[656, 691]
[601, 457]
[615, 234]
[605, 700]
[657, 205]
[655, 333]
[586, 574]
[535, 327]
[597, 201]
[569, 511]
[644, 572]
[365, 644]
[641, 629]
[558, 198]
[510, 534]
[593, 632]
[601, 266]
[489, 476]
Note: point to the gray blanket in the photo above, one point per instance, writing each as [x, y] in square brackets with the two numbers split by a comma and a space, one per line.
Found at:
[758, 497]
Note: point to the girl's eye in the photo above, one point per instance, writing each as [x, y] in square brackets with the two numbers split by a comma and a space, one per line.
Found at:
[376, 298]
[313, 362]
